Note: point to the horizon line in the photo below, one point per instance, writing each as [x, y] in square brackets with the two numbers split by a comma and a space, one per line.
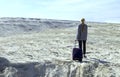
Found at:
[62, 19]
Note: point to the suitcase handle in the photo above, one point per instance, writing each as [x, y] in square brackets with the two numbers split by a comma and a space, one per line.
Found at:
[75, 43]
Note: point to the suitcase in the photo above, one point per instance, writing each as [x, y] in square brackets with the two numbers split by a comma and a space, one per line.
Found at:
[77, 54]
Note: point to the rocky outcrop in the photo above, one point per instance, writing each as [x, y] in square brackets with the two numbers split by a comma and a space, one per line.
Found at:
[56, 68]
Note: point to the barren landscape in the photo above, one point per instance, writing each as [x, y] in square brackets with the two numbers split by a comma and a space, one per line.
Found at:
[32, 47]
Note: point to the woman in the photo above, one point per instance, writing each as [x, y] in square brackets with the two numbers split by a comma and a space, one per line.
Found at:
[82, 36]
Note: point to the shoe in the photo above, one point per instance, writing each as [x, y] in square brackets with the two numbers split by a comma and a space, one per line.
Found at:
[85, 56]
[80, 60]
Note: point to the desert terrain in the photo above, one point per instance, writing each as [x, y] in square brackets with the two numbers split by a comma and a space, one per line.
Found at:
[32, 47]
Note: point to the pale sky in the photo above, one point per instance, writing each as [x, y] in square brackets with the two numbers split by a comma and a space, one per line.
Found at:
[92, 10]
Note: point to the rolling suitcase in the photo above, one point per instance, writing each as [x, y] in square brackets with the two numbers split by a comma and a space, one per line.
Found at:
[77, 53]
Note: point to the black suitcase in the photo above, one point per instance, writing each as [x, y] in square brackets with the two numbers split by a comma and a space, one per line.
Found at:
[77, 54]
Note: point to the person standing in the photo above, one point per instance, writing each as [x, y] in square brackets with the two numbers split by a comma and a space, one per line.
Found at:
[82, 36]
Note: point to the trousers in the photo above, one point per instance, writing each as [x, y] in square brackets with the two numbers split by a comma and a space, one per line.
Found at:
[82, 45]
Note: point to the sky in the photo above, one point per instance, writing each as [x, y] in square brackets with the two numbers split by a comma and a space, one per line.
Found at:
[91, 10]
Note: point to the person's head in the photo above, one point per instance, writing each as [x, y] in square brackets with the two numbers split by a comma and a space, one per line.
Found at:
[83, 20]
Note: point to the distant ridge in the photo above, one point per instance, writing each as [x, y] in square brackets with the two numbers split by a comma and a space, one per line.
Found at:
[18, 25]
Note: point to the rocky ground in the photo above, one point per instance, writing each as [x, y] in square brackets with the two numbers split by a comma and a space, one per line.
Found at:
[43, 48]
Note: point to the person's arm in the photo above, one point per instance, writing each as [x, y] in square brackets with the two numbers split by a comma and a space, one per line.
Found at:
[78, 33]
[87, 29]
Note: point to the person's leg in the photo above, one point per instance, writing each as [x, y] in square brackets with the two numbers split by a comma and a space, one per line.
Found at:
[84, 47]
[80, 44]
